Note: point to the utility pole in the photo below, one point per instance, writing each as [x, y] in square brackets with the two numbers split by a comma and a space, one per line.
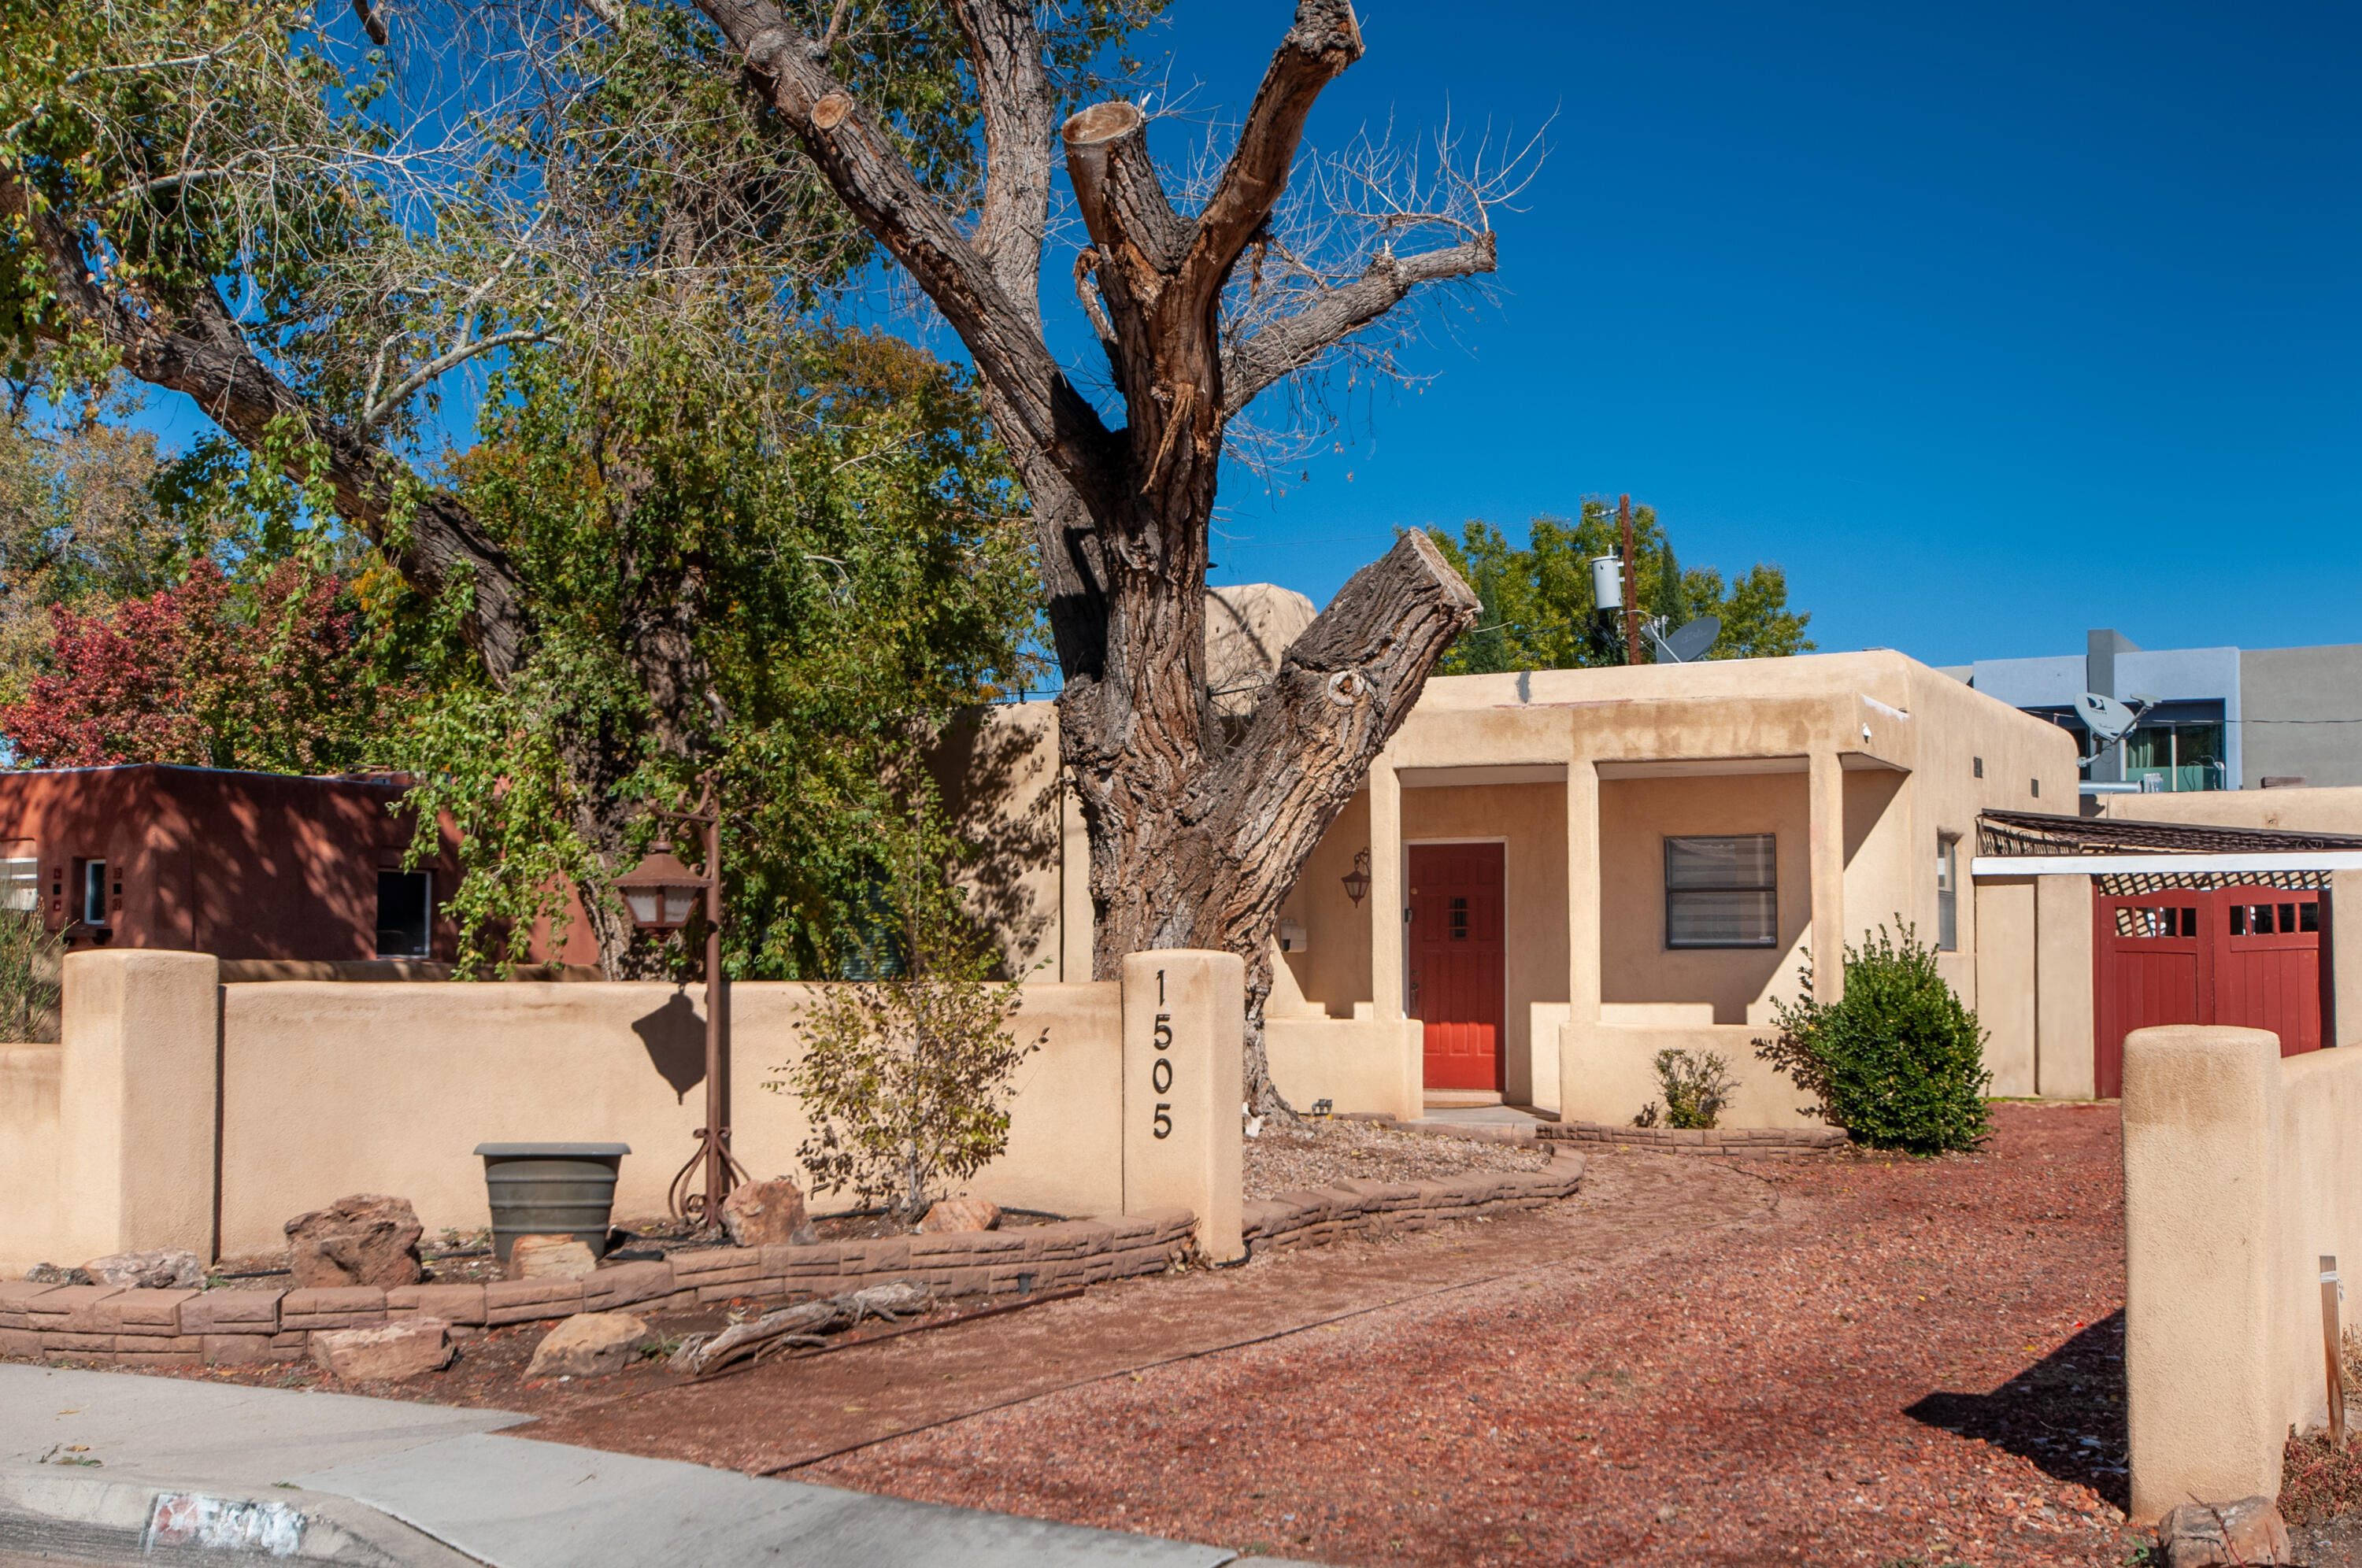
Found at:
[1632, 587]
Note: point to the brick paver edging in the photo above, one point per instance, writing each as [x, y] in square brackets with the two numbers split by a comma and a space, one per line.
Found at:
[1758, 1143]
[134, 1327]
[1312, 1216]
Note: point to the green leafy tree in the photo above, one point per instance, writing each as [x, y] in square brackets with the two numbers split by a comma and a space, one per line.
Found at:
[691, 534]
[908, 1079]
[80, 527]
[1538, 606]
[1898, 1061]
[820, 565]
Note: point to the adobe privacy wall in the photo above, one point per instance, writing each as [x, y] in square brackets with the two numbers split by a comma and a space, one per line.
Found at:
[2241, 1173]
[108, 1139]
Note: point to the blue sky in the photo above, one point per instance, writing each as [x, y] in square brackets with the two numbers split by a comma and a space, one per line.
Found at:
[1989, 324]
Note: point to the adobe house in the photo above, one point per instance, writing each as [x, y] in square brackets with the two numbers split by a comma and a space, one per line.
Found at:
[243, 866]
[1553, 875]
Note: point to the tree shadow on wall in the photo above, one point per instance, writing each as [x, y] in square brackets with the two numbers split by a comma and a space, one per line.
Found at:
[2065, 1413]
[674, 1037]
[983, 769]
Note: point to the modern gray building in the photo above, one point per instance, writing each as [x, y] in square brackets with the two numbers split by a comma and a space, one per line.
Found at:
[2218, 719]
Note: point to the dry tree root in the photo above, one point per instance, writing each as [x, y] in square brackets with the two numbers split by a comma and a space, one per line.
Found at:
[805, 1324]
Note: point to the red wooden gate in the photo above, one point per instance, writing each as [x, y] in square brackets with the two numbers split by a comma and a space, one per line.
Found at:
[1456, 980]
[2247, 956]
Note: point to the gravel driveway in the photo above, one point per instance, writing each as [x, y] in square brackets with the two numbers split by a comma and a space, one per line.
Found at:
[1856, 1359]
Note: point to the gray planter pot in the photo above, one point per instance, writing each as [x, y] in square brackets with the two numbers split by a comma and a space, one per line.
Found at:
[551, 1189]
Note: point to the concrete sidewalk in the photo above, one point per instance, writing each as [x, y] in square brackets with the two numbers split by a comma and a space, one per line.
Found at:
[106, 1467]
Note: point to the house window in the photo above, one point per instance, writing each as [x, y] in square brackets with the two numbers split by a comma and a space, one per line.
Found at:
[1948, 894]
[2176, 758]
[94, 893]
[1721, 892]
[20, 885]
[405, 903]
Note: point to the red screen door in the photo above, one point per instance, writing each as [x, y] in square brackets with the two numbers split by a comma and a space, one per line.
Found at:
[1456, 985]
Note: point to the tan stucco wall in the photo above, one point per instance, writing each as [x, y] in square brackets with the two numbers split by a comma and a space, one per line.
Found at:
[997, 771]
[1333, 972]
[2006, 959]
[1358, 1065]
[2064, 1067]
[1610, 1072]
[2240, 1174]
[2296, 811]
[30, 1131]
[337, 1088]
[1636, 817]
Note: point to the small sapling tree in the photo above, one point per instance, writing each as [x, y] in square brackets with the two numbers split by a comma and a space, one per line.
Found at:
[1898, 1062]
[906, 1076]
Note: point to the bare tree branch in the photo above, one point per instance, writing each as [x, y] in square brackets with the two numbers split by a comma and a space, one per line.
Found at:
[1004, 50]
[1292, 343]
[857, 157]
[1324, 41]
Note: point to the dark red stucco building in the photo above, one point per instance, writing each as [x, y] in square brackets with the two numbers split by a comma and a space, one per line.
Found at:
[239, 865]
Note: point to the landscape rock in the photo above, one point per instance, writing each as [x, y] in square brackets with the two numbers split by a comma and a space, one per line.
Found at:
[962, 1214]
[588, 1344]
[50, 1274]
[767, 1214]
[366, 1239]
[550, 1257]
[386, 1353]
[2199, 1535]
[167, 1268]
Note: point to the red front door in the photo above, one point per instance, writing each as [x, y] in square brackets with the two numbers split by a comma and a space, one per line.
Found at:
[2249, 956]
[1456, 985]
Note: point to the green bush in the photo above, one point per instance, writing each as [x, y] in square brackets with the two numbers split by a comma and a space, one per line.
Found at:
[1899, 1063]
[1695, 1089]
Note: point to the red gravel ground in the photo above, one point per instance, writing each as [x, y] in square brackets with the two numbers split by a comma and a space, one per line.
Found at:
[1863, 1359]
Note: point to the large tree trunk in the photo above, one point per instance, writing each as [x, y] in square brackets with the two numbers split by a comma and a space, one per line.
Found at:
[1198, 824]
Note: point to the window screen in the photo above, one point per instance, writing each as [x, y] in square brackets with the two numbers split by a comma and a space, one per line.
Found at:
[405, 901]
[20, 885]
[1721, 892]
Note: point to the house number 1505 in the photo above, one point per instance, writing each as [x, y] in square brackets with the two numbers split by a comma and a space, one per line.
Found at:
[1160, 1076]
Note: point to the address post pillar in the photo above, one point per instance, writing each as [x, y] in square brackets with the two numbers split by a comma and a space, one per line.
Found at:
[1183, 1085]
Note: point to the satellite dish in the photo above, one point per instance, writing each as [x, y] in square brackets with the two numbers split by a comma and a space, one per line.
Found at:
[1687, 645]
[2107, 719]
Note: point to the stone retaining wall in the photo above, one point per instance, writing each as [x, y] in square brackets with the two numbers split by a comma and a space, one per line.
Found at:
[1755, 1143]
[1316, 1216]
[130, 1327]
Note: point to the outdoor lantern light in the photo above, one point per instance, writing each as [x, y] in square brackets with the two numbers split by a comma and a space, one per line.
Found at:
[660, 891]
[1357, 881]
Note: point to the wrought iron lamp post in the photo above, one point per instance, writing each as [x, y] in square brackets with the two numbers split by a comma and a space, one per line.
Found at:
[661, 893]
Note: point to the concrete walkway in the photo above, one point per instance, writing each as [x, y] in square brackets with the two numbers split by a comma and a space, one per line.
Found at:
[111, 1467]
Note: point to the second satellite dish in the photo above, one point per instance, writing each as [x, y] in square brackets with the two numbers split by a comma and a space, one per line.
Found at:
[1688, 644]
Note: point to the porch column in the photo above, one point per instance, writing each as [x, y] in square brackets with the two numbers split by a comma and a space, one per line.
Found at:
[1826, 777]
[1385, 891]
[2345, 959]
[1582, 892]
[2064, 1063]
